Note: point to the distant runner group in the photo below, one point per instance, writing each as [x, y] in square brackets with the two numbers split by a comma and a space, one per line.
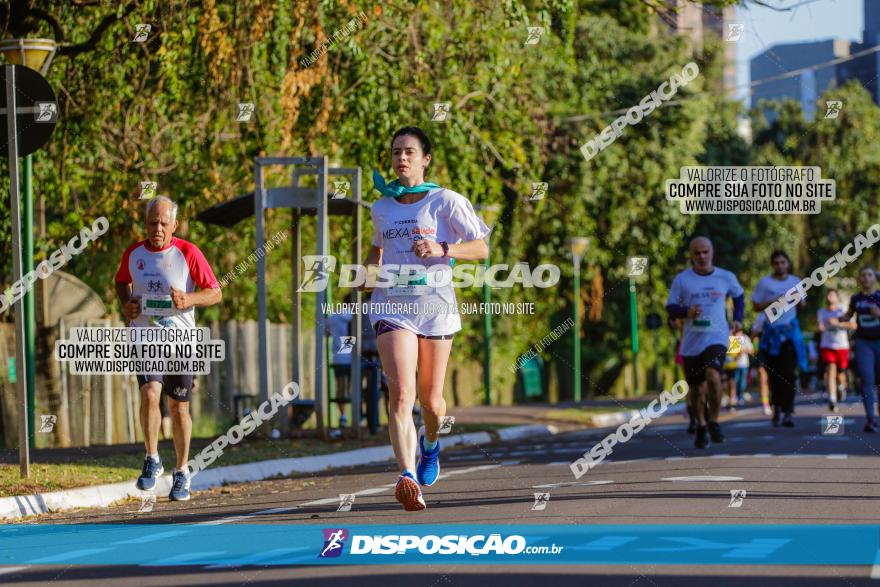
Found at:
[698, 300]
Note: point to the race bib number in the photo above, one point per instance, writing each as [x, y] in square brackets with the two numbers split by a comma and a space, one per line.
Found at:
[868, 321]
[157, 305]
[702, 324]
[410, 285]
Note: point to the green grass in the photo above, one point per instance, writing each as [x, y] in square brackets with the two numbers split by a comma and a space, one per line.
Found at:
[53, 477]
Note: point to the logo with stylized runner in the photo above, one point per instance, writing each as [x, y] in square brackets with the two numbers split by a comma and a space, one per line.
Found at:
[541, 500]
[535, 33]
[737, 497]
[346, 344]
[317, 272]
[334, 542]
[346, 500]
[832, 425]
[636, 266]
[47, 422]
[446, 425]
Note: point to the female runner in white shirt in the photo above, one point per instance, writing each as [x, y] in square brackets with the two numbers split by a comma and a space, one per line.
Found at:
[418, 223]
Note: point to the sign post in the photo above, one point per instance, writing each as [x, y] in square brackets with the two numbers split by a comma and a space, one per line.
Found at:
[30, 113]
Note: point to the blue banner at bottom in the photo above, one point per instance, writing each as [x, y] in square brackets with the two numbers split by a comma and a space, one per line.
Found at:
[280, 544]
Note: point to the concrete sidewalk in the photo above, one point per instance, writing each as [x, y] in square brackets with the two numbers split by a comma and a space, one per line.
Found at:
[540, 413]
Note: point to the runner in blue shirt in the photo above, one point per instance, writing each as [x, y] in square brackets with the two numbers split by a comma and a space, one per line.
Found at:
[866, 306]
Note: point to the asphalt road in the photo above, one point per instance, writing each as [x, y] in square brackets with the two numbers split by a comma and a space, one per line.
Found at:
[790, 476]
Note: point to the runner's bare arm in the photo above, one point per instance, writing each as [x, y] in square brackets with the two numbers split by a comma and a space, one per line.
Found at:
[130, 307]
[474, 250]
[203, 297]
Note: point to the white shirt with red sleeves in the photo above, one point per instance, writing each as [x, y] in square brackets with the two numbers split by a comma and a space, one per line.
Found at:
[149, 271]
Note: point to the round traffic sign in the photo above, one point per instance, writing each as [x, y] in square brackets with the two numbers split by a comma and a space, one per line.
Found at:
[36, 109]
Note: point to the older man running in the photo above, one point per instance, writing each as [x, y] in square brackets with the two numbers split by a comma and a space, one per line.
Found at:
[156, 285]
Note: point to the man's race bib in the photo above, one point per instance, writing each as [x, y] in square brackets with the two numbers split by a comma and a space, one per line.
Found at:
[702, 324]
[157, 305]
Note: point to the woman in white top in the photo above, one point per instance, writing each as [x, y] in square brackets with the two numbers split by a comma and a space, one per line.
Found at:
[423, 225]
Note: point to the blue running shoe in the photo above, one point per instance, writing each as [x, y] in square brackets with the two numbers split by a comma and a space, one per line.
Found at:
[428, 469]
[152, 470]
[409, 493]
[180, 487]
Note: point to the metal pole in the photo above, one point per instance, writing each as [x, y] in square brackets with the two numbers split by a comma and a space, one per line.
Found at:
[15, 196]
[356, 376]
[487, 339]
[262, 314]
[27, 243]
[634, 326]
[321, 404]
[577, 330]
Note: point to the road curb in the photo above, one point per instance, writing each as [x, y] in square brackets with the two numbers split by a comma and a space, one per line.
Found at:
[617, 418]
[20, 506]
[528, 430]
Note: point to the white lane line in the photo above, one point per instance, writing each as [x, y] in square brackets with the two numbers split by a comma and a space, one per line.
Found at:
[66, 556]
[701, 478]
[555, 463]
[334, 500]
[274, 511]
[222, 521]
[721, 456]
[837, 457]
[571, 484]
[7, 570]
[258, 557]
[153, 537]
[184, 558]
[675, 458]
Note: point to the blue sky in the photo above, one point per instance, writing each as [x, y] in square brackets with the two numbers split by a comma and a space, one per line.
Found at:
[764, 27]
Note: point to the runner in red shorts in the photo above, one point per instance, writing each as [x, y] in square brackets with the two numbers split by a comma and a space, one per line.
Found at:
[834, 346]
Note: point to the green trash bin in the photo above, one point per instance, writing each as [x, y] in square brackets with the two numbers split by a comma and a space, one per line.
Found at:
[532, 382]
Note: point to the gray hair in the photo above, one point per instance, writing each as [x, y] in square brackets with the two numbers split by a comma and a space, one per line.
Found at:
[160, 198]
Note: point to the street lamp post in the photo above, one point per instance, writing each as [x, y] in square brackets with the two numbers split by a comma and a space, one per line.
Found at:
[578, 248]
[634, 329]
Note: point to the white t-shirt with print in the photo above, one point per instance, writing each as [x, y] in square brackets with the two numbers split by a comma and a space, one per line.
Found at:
[769, 289]
[834, 337]
[710, 292]
[441, 215]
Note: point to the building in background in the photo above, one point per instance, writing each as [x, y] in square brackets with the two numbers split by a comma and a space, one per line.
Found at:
[805, 87]
[817, 72]
[865, 68]
[696, 22]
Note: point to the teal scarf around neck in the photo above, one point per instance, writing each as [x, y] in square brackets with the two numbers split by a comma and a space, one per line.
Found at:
[395, 190]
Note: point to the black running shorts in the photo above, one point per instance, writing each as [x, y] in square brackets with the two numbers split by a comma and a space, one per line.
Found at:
[177, 387]
[695, 367]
